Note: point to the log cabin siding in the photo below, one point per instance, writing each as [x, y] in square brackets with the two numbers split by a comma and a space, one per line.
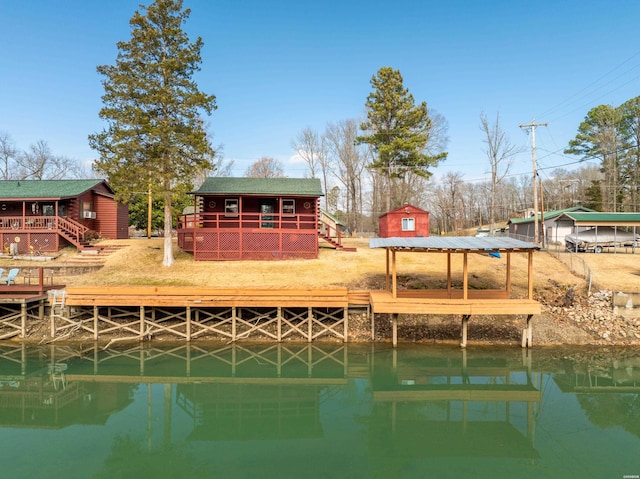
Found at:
[111, 218]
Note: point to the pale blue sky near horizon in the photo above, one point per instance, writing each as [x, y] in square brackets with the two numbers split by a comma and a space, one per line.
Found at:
[277, 67]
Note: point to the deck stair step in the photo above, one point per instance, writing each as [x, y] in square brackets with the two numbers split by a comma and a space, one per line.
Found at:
[334, 243]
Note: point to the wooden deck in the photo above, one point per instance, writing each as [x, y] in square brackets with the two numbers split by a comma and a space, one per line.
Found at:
[206, 297]
[20, 303]
[479, 302]
[423, 303]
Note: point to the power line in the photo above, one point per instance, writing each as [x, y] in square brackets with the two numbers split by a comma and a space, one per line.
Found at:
[577, 94]
[532, 127]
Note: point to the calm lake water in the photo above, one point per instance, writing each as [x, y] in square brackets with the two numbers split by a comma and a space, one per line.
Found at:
[318, 411]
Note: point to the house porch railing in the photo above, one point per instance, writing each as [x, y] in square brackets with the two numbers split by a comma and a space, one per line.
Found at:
[72, 231]
[249, 221]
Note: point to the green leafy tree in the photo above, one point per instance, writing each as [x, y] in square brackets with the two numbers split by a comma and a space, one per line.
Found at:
[155, 134]
[599, 136]
[139, 210]
[398, 130]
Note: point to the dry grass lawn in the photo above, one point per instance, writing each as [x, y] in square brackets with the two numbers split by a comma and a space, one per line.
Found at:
[140, 263]
[614, 271]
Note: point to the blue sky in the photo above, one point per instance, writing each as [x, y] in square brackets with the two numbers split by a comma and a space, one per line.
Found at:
[279, 66]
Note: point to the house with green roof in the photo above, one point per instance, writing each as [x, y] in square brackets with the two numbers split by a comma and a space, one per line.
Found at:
[45, 215]
[548, 228]
[253, 219]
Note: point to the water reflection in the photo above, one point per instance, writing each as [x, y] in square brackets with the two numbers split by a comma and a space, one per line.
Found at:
[287, 410]
[479, 406]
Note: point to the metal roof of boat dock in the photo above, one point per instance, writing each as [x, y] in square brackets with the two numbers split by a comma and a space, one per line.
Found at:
[453, 243]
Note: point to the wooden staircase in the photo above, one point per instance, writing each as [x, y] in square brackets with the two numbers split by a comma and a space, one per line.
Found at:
[336, 244]
[75, 234]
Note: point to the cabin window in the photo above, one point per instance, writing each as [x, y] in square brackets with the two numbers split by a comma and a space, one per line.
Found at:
[231, 207]
[48, 210]
[289, 207]
[408, 224]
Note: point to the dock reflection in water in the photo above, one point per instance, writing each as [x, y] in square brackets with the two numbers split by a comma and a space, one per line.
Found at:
[291, 410]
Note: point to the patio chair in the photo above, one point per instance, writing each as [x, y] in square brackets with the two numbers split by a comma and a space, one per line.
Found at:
[11, 277]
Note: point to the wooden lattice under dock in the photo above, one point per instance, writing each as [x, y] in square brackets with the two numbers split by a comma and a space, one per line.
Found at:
[188, 313]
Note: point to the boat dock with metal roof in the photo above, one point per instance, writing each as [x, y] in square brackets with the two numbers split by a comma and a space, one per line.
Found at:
[465, 301]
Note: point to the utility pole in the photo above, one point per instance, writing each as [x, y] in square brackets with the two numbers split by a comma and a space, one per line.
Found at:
[532, 126]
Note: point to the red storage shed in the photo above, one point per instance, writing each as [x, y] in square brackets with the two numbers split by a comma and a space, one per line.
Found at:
[406, 221]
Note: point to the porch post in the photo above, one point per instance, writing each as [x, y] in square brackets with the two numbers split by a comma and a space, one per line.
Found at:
[465, 276]
[508, 275]
[394, 279]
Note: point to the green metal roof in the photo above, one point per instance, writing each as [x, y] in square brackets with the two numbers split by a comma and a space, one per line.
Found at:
[597, 218]
[50, 189]
[261, 186]
[332, 217]
[548, 215]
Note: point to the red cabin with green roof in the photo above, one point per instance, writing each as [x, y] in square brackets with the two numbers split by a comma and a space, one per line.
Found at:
[253, 219]
[46, 215]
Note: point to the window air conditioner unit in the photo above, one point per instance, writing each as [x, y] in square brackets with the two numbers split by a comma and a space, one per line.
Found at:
[89, 215]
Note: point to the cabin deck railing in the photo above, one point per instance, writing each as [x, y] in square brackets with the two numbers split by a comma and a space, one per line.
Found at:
[248, 220]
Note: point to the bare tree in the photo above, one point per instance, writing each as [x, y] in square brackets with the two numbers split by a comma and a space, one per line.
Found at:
[350, 163]
[308, 146]
[266, 167]
[39, 163]
[500, 152]
[312, 148]
[8, 156]
[448, 201]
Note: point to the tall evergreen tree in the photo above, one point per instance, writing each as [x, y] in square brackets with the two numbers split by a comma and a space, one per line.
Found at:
[630, 127]
[398, 130]
[599, 137]
[155, 133]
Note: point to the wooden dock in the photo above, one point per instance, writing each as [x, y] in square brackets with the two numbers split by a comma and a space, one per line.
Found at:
[20, 303]
[143, 312]
[187, 313]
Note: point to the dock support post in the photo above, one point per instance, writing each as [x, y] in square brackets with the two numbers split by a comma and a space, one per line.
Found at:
[394, 322]
[310, 324]
[234, 316]
[279, 324]
[465, 324]
[188, 325]
[527, 333]
[373, 326]
[346, 325]
[95, 323]
[142, 319]
[23, 320]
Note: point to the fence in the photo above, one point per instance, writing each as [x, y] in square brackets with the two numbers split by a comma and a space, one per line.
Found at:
[572, 260]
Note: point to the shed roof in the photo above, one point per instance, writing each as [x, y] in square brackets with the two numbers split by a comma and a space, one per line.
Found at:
[401, 209]
[261, 186]
[472, 244]
[46, 189]
[549, 215]
[596, 218]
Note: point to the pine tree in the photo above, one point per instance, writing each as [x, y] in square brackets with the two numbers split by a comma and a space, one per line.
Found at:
[153, 107]
[397, 129]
